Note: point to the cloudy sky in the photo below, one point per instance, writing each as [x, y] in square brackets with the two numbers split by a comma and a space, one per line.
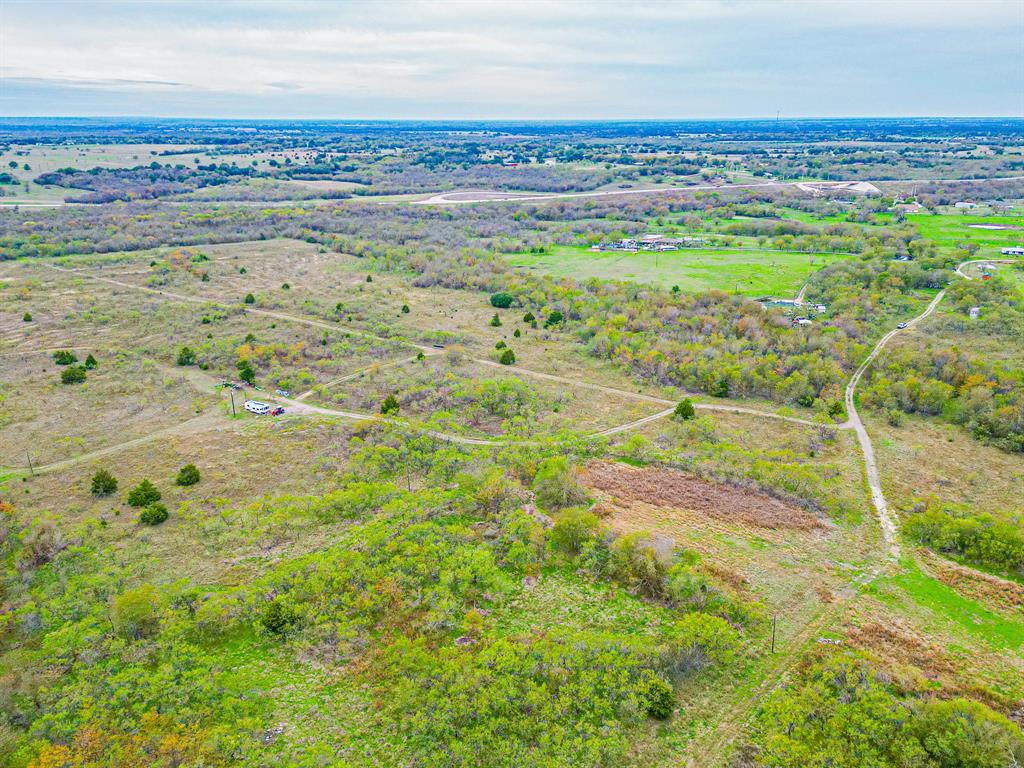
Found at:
[523, 59]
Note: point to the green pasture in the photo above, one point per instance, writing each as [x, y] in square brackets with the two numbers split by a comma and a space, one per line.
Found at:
[750, 271]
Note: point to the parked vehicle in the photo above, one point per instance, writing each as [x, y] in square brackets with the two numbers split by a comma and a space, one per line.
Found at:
[284, 393]
[277, 411]
[901, 326]
[255, 406]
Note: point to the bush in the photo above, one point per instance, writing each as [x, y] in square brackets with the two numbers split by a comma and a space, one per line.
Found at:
[369, 278]
[90, 362]
[246, 372]
[144, 494]
[74, 374]
[502, 300]
[250, 299]
[894, 417]
[661, 699]
[685, 410]
[554, 319]
[390, 405]
[187, 475]
[277, 618]
[154, 514]
[572, 529]
[516, 333]
[27, 317]
[103, 483]
[186, 356]
[64, 357]
[495, 321]
[405, 309]
[136, 613]
[720, 388]
[556, 486]
[508, 357]
[529, 318]
[285, 287]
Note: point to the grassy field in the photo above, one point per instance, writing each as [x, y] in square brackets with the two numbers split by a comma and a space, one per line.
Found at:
[751, 272]
[948, 230]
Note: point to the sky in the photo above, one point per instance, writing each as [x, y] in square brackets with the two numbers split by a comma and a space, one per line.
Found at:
[529, 59]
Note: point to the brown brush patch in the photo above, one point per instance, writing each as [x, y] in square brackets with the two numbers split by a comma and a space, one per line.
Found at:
[899, 643]
[993, 590]
[672, 488]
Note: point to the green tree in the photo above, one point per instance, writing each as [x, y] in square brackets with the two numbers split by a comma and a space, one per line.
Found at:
[554, 319]
[495, 321]
[186, 356]
[154, 514]
[250, 299]
[90, 362]
[684, 410]
[508, 357]
[572, 529]
[103, 483]
[64, 357]
[136, 613]
[73, 374]
[405, 309]
[529, 318]
[390, 405]
[187, 475]
[661, 699]
[27, 317]
[502, 300]
[277, 617]
[246, 372]
[556, 485]
[144, 494]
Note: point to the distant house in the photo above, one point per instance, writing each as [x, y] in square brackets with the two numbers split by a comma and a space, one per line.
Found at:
[973, 312]
[911, 207]
[1017, 250]
[965, 204]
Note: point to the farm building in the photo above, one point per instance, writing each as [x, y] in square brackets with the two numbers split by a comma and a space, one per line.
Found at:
[1017, 250]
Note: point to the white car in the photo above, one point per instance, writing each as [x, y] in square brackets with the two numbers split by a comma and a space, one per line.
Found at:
[901, 326]
[255, 406]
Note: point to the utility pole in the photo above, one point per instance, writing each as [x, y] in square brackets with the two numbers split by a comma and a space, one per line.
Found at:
[774, 619]
[31, 469]
[232, 393]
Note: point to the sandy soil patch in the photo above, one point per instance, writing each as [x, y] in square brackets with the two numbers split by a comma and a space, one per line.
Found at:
[671, 488]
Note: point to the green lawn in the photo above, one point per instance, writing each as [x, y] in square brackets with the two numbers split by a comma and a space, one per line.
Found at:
[948, 230]
[750, 271]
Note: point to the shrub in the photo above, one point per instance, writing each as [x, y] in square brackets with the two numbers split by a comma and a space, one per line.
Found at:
[135, 613]
[495, 321]
[720, 388]
[27, 317]
[64, 357]
[501, 345]
[556, 486]
[369, 278]
[285, 287]
[405, 309]
[894, 417]
[684, 410]
[508, 357]
[529, 318]
[186, 356]
[154, 514]
[103, 483]
[572, 529]
[661, 699]
[277, 617]
[250, 299]
[516, 333]
[242, 270]
[390, 405]
[246, 372]
[74, 374]
[554, 319]
[502, 300]
[187, 475]
[144, 494]
[638, 564]
[90, 362]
